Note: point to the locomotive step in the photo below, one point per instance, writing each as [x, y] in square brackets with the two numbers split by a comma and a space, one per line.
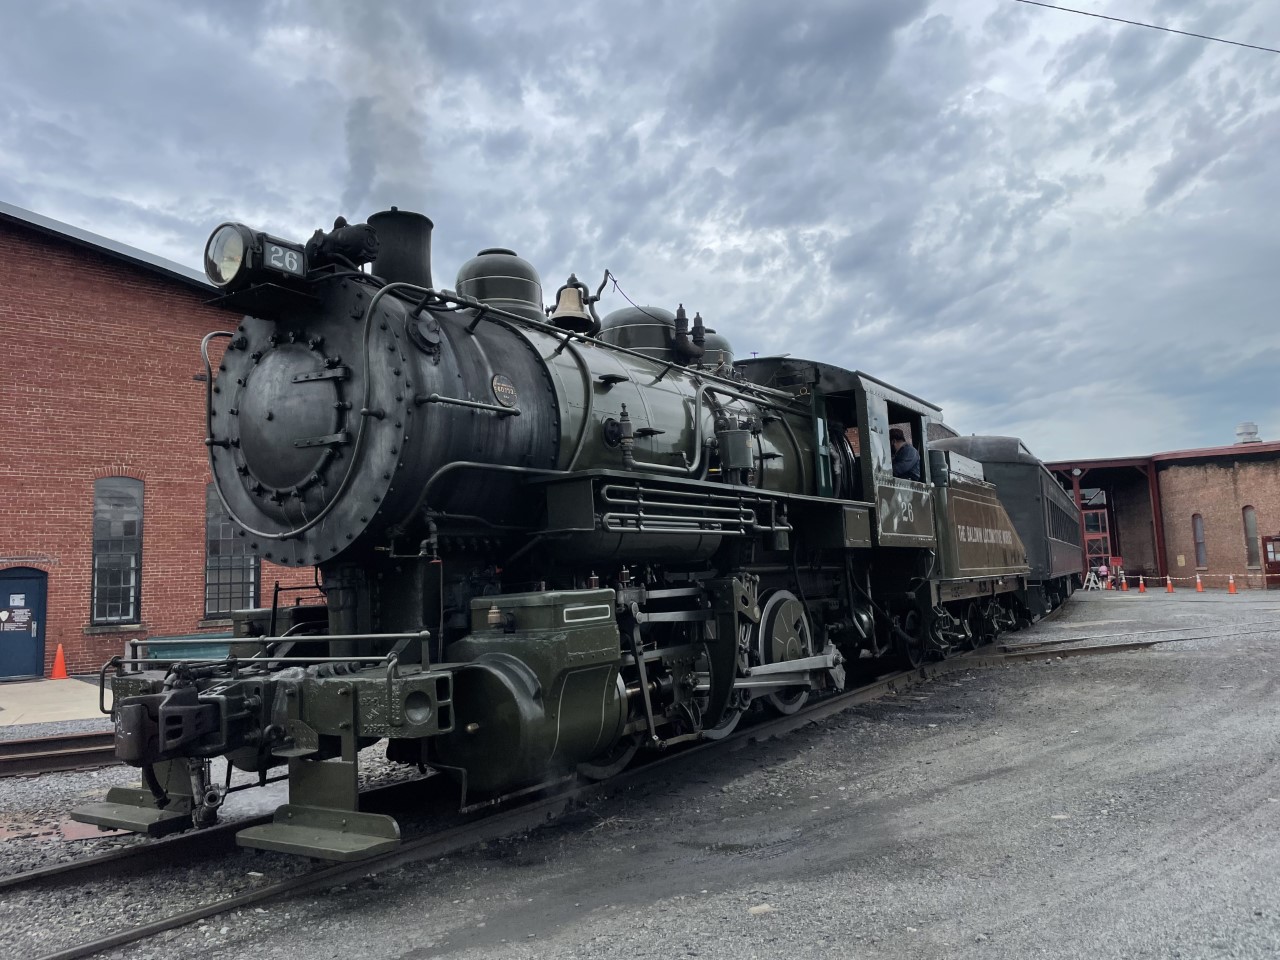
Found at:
[128, 808]
[323, 833]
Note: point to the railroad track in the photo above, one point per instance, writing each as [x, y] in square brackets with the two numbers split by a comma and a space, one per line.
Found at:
[494, 825]
[182, 847]
[216, 839]
[70, 751]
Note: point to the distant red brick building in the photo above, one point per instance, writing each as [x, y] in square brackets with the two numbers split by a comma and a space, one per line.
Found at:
[1213, 511]
[107, 528]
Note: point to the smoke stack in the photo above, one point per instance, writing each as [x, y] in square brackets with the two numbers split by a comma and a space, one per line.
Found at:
[404, 247]
[1247, 432]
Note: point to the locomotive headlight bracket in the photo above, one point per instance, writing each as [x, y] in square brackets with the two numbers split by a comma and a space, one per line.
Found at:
[236, 256]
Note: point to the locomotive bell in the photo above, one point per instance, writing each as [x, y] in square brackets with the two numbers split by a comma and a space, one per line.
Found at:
[570, 312]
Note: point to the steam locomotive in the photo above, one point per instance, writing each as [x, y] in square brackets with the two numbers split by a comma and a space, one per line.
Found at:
[545, 540]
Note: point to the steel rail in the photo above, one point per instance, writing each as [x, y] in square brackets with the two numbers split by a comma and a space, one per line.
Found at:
[71, 751]
[538, 812]
[179, 847]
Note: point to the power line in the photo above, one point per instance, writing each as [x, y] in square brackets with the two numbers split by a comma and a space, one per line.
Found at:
[614, 280]
[1149, 26]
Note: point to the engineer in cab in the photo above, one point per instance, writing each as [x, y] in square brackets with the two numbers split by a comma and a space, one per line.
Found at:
[906, 459]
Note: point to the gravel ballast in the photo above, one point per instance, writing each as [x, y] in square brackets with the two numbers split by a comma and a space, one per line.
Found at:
[1118, 806]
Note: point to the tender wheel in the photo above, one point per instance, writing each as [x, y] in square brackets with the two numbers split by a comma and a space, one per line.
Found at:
[1021, 616]
[784, 634]
[975, 627]
[991, 622]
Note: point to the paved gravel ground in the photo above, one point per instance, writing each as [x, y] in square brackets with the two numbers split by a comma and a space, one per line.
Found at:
[1120, 806]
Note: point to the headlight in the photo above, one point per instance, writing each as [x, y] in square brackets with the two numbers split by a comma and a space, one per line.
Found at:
[226, 255]
[236, 256]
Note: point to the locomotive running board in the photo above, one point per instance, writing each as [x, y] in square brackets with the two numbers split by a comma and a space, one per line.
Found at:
[324, 833]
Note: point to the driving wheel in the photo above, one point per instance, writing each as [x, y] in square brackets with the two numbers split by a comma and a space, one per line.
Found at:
[784, 634]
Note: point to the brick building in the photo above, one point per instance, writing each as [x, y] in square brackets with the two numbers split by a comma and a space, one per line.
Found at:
[108, 528]
[1213, 511]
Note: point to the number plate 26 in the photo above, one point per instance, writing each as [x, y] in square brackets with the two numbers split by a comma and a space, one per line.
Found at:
[286, 259]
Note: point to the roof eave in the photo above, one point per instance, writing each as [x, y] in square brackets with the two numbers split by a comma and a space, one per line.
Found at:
[105, 246]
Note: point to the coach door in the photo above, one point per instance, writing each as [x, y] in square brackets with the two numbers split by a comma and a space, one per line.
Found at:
[22, 603]
[1271, 561]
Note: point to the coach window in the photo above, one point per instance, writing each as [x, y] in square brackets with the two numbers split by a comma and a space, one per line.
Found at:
[1197, 531]
[231, 569]
[117, 550]
[1253, 557]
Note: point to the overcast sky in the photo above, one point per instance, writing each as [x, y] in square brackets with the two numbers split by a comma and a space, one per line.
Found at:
[1053, 226]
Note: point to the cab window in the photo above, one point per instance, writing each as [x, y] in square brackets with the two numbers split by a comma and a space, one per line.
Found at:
[886, 421]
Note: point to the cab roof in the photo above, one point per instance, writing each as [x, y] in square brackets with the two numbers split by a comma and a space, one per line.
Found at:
[783, 372]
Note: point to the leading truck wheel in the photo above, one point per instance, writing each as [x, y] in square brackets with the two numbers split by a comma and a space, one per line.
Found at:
[784, 634]
[613, 761]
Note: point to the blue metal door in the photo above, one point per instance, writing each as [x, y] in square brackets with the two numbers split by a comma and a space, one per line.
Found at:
[22, 603]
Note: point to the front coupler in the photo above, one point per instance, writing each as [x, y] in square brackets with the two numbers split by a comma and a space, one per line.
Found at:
[158, 726]
[314, 716]
[170, 723]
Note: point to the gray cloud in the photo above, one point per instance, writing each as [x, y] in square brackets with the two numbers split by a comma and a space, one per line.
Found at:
[1052, 226]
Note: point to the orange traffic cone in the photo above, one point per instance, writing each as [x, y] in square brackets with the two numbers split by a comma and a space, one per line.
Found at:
[1142, 584]
[59, 666]
[1199, 585]
[1124, 582]
[1231, 584]
[1168, 584]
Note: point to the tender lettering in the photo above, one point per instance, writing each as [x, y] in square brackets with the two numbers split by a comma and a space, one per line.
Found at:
[970, 534]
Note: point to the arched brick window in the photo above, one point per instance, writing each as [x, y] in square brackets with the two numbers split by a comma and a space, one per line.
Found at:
[1197, 531]
[1253, 556]
[117, 550]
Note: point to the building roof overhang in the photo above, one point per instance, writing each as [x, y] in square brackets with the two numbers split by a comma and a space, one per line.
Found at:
[1236, 451]
[110, 248]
